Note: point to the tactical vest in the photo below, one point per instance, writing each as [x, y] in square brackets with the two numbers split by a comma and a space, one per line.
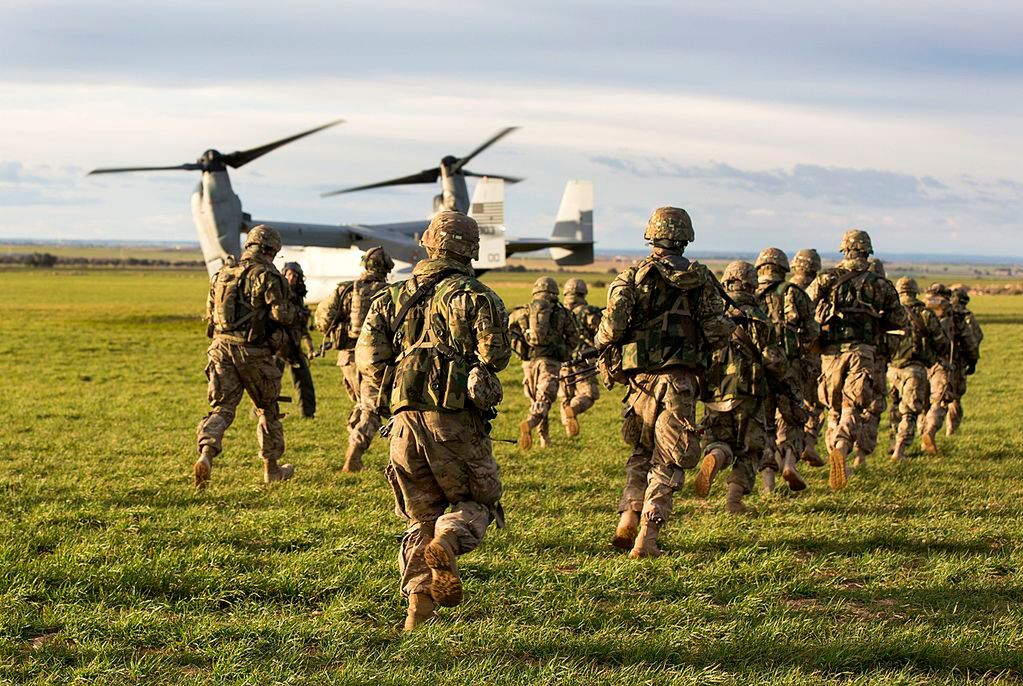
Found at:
[328, 317]
[546, 321]
[849, 314]
[664, 332]
[235, 315]
[774, 299]
[737, 370]
[915, 347]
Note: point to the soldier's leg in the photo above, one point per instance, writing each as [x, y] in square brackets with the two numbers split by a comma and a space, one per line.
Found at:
[224, 391]
[955, 406]
[790, 438]
[912, 402]
[751, 439]
[526, 426]
[262, 379]
[938, 378]
[302, 379]
[547, 389]
[637, 468]
[587, 393]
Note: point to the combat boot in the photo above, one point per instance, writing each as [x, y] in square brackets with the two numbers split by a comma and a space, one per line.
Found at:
[646, 541]
[927, 442]
[954, 418]
[274, 472]
[445, 586]
[420, 609]
[733, 503]
[767, 475]
[790, 473]
[838, 477]
[353, 458]
[860, 461]
[545, 438]
[568, 418]
[713, 462]
[525, 435]
[202, 470]
[899, 451]
[812, 457]
[625, 534]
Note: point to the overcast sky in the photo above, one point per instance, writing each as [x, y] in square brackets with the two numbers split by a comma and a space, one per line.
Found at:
[773, 123]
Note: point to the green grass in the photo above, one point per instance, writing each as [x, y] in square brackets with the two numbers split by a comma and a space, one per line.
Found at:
[115, 572]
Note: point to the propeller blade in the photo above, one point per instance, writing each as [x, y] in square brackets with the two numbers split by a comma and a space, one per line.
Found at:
[507, 179]
[493, 139]
[188, 166]
[425, 176]
[243, 157]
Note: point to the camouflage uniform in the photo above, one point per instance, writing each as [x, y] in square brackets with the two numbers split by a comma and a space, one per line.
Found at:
[581, 390]
[854, 307]
[866, 442]
[450, 344]
[549, 330]
[247, 308]
[805, 266]
[735, 426]
[297, 359]
[796, 331]
[964, 367]
[663, 316]
[912, 354]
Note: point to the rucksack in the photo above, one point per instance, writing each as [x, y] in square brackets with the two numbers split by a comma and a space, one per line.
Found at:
[328, 312]
[231, 311]
[541, 323]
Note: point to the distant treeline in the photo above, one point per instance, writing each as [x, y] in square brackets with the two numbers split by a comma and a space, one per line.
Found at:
[45, 260]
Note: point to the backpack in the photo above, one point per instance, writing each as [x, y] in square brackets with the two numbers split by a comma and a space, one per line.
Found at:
[541, 323]
[328, 312]
[232, 313]
[362, 298]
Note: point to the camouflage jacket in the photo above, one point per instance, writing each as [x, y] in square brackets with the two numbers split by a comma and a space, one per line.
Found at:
[587, 318]
[923, 340]
[792, 314]
[855, 306]
[665, 311]
[424, 365]
[970, 324]
[739, 371]
[265, 293]
[563, 337]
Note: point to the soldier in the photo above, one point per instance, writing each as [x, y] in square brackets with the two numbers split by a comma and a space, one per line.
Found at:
[301, 343]
[914, 351]
[340, 317]
[549, 330]
[796, 330]
[734, 425]
[663, 317]
[805, 266]
[854, 307]
[248, 308]
[865, 443]
[962, 352]
[960, 300]
[579, 389]
[437, 341]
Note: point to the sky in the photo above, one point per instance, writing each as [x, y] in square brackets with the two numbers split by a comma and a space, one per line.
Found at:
[780, 123]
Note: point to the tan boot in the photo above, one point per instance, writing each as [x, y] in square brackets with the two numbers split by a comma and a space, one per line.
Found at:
[811, 457]
[525, 435]
[927, 441]
[545, 440]
[899, 451]
[790, 473]
[273, 472]
[712, 463]
[860, 461]
[646, 541]
[838, 476]
[733, 503]
[446, 585]
[202, 470]
[568, 418]
[625, 533]
[353, 458]
[767, 477]
[420, 609]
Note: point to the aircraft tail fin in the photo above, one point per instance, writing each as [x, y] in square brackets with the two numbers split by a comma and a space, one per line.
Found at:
[575, 223]
[487, 208]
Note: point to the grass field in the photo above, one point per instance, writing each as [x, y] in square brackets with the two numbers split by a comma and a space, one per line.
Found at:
[114, 571]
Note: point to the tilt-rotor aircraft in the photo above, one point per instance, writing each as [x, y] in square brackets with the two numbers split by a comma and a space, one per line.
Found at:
[332, 253]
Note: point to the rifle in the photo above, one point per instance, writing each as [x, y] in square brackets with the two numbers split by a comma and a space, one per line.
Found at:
[579, 374]
[516, 336]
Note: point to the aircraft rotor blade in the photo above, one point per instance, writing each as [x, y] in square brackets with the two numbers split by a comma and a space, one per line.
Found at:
[507, 179]
[425, 176]
[188, 166]
[243, 157]
[493, 139]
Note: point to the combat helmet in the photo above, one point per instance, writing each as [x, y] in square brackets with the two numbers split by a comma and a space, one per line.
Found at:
[877, 266]
[907, 285]
[856, 240]
[741, 273]
[545, 284]
[575, 287]
[939, 289]
[453, 232]
[774, 257]
[806, 261]
[377, 260]
[960, 293]
[671, 224]
[265, 237]
[293, 266]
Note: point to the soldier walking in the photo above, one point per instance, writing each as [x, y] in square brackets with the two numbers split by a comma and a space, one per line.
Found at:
[432, 347]
[663, 318]
[340, 318]
[866, 442]
[248, 309]
[805, 266]
[580, 389]
[964, 367]
[855, 307]
[549, 331]
[301, 344]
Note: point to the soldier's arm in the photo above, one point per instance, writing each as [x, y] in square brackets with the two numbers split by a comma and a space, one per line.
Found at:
[968, 342]
[799, 313]
[710, 314]
[935, 331]
[621, 298]
[893, 313]
[375, 348]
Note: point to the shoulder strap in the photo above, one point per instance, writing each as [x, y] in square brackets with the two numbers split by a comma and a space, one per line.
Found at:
[425, 288]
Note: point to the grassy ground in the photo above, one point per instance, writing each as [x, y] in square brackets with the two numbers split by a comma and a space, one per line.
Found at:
[114, 571]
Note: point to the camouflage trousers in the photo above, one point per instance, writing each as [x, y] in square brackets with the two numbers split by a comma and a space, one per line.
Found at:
[441, 461]
[540, 385]
[940, 380]
[363, 422]
[955, 407]
[232, 370]
[738, 429]
[790, 417]
[658, 424]
[811, 369]
[580, 394]
[847, 390]
[908, 389]
[867, 440]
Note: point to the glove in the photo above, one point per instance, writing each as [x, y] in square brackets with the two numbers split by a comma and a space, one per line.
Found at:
[971, 368]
